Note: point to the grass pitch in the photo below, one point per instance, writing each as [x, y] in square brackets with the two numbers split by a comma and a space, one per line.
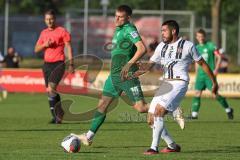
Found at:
[25, 133]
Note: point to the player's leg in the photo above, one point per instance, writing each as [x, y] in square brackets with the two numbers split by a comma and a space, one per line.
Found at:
[168, 139]
[159, 106]
[56, 72]
[222, 100]
[109, 94]
[133, 90]
[196, 101]
[158, 127]
[55, 103]
[46, 73]
[159, 131]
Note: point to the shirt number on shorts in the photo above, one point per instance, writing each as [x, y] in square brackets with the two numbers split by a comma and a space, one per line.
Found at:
[135, 91]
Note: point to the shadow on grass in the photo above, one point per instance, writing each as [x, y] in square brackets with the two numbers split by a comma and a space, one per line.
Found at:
[93, 152]
[223, 149]
[56, 130]
[120, 147]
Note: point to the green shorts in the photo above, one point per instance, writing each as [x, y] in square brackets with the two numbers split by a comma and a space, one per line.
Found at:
[132, 88]
[203, 82]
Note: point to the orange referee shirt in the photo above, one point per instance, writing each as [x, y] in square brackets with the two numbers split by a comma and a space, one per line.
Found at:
[56, 51]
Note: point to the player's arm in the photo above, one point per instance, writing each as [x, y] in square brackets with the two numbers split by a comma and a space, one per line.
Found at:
[201, 62]
[196, 67]
[141, 50]
[42, 46]
[39, 48]
[218, 61]
[70, 56]
[210, 74]
[143, 68]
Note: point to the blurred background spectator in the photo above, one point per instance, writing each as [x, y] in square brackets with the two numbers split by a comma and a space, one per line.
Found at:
[1, 60]
[224, 62]
[12, 58]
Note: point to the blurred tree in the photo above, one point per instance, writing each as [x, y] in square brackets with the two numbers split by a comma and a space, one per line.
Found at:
[228, 11]
[215, 21]
[228, 14]
[229, 20]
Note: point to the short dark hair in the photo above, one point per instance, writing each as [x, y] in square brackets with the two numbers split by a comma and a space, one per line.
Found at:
[201, 31]
[172, 24]
[125, 8]
[50, 12]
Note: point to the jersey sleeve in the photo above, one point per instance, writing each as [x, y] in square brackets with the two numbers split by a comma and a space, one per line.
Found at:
[40, 40]
[133, 35]
[66, 36]
[194, 53]
[156, 57]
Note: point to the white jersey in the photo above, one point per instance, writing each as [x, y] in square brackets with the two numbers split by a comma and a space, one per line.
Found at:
[175, 58]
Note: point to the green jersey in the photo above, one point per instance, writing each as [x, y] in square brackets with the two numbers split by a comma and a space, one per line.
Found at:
[207, 52]
[123, 50]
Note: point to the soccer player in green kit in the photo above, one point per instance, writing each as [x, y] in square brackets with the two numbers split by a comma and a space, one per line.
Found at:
[209, 52]
[127, 49]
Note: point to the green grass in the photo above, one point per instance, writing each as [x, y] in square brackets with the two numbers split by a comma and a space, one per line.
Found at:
[25, 133]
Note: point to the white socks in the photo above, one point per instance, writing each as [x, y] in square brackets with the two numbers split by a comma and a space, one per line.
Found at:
[227, 110]
[158, 127]
[90, 135]
[194, 114]
[167, 138]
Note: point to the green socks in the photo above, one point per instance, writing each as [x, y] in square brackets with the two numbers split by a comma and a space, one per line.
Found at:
[222, 101]
[196, 104]
[97, 121]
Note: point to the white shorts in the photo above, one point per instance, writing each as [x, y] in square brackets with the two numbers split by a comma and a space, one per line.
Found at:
[170, 100]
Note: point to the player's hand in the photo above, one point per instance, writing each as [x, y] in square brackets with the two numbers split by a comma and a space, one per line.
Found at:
[215, 89]
[48, 43]
[71, 68]
[124, 72]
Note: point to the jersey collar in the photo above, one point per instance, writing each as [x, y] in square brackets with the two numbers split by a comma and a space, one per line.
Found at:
[125, 24]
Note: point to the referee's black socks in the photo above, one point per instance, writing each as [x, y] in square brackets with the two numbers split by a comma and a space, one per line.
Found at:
[53, 99]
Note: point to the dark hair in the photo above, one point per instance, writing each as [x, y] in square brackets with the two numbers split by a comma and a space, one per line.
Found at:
[50, 12]
[125, 8]
[172, 24]
[202, 31]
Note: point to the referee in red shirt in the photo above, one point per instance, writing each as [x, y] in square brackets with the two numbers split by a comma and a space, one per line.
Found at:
[52, 41]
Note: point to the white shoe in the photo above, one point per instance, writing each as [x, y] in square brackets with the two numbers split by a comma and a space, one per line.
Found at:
[178, 116]
[83, 138]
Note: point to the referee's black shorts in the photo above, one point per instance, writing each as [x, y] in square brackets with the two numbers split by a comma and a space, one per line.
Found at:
[53, 72]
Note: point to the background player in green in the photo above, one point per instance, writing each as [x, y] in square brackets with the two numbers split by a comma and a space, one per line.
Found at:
[210, 54]
[128, 48]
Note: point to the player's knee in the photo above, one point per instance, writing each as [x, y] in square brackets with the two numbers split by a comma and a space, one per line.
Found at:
[103, 104]
[51, 91]
[198, 93]
[160, 111]
[141, 108]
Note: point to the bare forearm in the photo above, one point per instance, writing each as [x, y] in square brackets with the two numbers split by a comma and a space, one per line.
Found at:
[141, 50]
[207, 70]
[70, 53]
[39, 48]
[144, 68]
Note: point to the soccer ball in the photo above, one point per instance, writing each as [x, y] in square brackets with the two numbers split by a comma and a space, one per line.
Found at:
[71, 144]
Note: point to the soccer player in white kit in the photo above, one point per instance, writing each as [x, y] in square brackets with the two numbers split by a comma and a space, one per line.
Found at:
[175, 55]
